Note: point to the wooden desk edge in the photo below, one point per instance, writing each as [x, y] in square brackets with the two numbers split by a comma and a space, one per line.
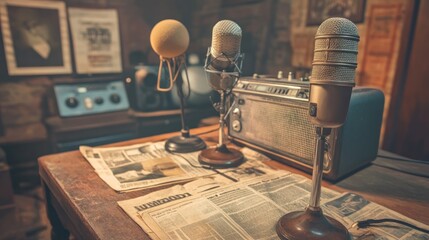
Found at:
[55, 187]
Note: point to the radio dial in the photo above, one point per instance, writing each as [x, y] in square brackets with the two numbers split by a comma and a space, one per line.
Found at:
[236, 125]
[99, 100]
[72, 102]
[115, 98]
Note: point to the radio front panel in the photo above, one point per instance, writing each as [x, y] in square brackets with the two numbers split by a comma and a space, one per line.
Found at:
[274, 116]
[77, 99]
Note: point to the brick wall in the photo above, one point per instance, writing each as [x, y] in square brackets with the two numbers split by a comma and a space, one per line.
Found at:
[275, 38]
[23, 103]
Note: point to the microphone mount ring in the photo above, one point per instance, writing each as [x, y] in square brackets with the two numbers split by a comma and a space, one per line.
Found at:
[221, 156]
[179, 62]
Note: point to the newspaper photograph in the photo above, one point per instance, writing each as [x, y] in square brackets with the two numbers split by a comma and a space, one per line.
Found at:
[149, 164]
[251, 209]
[351, 208]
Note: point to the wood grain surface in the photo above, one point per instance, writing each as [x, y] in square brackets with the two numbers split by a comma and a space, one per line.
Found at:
[88, 207]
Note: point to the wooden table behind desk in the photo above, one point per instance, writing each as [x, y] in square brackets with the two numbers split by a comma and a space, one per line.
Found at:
[78, 200]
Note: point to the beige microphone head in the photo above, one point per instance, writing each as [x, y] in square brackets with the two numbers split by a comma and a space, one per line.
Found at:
[226, 39]
[169, 38]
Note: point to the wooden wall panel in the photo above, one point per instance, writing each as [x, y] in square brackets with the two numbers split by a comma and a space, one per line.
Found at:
[411, 129]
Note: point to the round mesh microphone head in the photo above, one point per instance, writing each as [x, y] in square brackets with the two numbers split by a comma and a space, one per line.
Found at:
[169, 38]
[335, 52]
[226, 39]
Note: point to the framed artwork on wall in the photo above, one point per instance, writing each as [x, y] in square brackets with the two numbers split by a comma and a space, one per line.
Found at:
[96, 40]
[35, 37]
[320, 10]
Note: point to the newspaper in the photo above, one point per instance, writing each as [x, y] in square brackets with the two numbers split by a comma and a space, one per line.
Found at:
[193, 209]
[250, 209]
[351, 208]
[136, 206]
[148, 165]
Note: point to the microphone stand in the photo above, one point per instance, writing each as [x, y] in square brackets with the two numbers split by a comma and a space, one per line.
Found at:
[185, 142]
[312, 223]
[221, 156]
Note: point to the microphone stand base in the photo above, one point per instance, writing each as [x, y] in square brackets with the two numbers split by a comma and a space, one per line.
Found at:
[221, 157]
[310, 224]
[181, 144]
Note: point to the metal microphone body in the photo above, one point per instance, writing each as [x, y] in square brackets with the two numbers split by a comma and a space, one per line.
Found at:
[331, 83]
[333, 74]
[226, 43]
[223, 68]
[223, 55]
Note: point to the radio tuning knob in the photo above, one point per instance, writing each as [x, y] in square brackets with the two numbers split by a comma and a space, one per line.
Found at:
[88, 103]
[99, 100]
[115, 98]
[236, 125]
[290, 76]
[72, 102]
[236, 112]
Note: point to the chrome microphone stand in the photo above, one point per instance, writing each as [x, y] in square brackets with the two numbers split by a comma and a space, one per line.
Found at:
[312, 223]
[221, 156]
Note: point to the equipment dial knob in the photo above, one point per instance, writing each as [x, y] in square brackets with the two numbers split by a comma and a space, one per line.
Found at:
[115, 98]
[99, 100]
[236, 112]
[236, 125]
[72, 102]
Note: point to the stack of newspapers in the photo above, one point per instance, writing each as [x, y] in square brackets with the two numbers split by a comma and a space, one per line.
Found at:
[239, 203]
[149, 165]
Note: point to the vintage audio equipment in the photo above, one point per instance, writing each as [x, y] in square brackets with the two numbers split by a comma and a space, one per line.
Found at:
[223, 67]
[92, 112]
[271, 115]
[141, 89]
[91, 96]
[170, 39]
[201, 92]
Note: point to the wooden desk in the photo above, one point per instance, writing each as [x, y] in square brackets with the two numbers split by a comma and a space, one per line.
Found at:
[78, 200]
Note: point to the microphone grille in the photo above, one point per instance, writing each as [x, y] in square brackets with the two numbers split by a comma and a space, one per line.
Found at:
[226, 38]
[337, 26]
[335, 52]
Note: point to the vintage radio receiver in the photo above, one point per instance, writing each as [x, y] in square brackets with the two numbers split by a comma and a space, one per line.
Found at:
[90, 96]
[271, 115]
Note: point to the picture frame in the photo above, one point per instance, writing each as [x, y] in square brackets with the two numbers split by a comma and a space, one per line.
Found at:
[320, 10]
[35, 37]
[96, 40]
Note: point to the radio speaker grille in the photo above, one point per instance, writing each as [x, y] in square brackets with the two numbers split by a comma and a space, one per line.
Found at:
[286, 128]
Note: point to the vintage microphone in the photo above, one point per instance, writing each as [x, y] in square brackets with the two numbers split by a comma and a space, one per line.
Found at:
[170, 40]
[223, 68]
[331, 83]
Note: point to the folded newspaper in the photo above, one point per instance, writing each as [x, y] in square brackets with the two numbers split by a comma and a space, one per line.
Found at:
[149, 164]
[213, 208]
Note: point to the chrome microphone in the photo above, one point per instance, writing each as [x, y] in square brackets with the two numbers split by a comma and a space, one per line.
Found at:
[331, 83]
[223, 68]
[226, 42]
[333, 74]
[223, 63]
